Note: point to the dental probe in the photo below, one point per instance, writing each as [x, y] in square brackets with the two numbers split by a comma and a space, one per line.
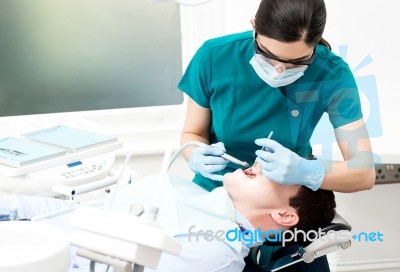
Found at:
[234, 160]
[269, 137]
[264, 148]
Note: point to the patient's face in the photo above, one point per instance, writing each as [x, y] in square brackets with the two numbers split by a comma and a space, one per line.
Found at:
[252, 190]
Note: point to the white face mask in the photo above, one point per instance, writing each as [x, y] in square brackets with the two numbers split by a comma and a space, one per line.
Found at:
[268, 73]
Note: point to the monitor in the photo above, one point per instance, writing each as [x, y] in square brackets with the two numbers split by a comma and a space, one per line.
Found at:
[87, 58]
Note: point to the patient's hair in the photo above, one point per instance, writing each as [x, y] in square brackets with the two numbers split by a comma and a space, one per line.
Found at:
[316, 209]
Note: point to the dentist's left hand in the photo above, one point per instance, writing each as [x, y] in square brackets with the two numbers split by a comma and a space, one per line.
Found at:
[205, 160]
[282, 165]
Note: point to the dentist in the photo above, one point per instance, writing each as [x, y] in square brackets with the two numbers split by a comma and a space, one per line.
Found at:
[280, 77]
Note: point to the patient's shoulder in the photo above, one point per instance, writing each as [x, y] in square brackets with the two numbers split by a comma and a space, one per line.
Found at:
[186, 187]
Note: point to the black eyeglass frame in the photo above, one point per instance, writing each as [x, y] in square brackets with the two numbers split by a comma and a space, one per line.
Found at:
[258, 50]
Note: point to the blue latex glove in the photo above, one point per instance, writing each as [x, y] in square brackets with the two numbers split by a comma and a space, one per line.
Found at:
[206, 160]
[282, 165]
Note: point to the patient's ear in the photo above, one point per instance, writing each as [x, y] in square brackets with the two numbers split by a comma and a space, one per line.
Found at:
[285, 217]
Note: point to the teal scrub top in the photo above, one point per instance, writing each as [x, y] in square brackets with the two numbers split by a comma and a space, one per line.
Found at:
[245, 108]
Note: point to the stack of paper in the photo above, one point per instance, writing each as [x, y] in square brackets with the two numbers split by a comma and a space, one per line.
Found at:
[71, 139]
[49, 143]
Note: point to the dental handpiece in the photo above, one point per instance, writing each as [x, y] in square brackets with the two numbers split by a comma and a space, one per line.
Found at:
[234, 160]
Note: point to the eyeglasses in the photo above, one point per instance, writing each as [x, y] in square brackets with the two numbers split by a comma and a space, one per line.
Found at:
[267, 55]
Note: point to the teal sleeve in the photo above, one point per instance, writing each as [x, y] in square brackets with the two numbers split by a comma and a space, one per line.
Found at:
[196, 80]
[343, 100]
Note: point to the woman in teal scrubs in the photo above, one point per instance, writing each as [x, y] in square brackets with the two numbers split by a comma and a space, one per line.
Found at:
[280, 77]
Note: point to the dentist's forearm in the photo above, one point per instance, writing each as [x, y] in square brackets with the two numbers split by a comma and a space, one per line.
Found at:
[348, 176]
[196, 127]
[188, 137]
[357, 171]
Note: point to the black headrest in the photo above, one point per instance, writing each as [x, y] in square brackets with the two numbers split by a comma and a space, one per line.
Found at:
[338, 223]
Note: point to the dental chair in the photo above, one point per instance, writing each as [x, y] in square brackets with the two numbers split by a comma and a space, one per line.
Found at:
[336, 236]
[138, 242]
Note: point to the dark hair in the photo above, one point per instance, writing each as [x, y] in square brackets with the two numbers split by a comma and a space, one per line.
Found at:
[292, 20]
[316, 209]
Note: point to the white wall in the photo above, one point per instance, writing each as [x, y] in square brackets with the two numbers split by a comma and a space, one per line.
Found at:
[213, 19]
[369, 27]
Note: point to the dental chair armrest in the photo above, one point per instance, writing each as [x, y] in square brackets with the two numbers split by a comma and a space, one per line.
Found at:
[330, 242]
[334, 236]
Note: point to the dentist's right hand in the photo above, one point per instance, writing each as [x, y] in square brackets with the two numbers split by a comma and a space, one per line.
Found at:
[205, 160]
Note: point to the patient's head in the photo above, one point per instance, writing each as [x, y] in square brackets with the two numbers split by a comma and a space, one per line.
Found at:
[270, 205]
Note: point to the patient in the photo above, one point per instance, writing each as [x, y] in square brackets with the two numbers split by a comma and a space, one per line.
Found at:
[248, 201]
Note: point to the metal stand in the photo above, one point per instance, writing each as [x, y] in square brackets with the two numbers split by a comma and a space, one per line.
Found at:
[117, 265]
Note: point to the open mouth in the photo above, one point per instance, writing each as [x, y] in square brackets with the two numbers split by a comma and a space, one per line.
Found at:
[250, 172]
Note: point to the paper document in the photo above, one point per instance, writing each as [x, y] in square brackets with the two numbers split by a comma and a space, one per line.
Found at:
[16, 152]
